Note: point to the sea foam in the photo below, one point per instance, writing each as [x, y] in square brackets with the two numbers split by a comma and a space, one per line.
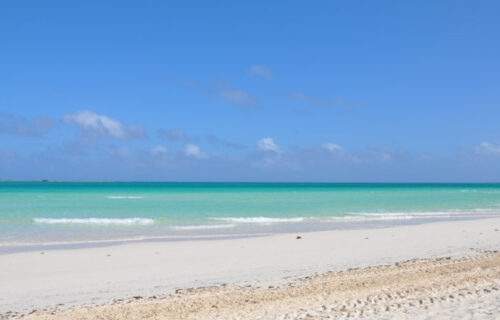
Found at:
[96, 221]
[260, 219]
[204, 227]
[124, 197]
[376, 216]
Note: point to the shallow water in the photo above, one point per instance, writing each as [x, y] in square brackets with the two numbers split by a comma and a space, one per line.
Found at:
[72, 212]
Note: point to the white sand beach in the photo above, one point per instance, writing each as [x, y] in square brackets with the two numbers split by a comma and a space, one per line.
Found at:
[268, 277]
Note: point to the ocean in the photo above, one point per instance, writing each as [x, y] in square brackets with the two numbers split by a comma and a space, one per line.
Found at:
[37, 213]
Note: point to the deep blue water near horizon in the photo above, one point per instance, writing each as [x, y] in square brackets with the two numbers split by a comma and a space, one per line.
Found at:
[73, 212]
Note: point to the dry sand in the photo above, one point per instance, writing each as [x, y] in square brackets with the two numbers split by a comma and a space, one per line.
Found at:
[274, 277]
[431, 288]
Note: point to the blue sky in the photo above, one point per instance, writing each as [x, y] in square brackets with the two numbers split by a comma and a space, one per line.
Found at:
[255, 91]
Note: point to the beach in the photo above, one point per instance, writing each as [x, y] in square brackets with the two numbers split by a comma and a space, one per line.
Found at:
[249, 160]
[432, 270]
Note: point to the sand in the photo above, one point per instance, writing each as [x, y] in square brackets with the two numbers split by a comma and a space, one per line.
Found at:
[272, 277]
[428, 288]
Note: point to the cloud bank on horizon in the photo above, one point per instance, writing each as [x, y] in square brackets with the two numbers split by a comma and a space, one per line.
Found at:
[102, 147]
[244, 94]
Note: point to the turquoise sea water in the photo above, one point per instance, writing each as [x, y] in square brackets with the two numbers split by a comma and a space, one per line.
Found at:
[72, 212]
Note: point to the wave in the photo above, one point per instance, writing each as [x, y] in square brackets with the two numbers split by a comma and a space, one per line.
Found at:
[95, 221]
[364, 216]
[124, 197]
[260, 219]
[479, 191]
[377, 216]
[204, 227]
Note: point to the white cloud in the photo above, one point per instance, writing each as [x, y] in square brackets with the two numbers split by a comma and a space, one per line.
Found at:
[101, 125]
[488, 148]
[238, 97]
[332, 147]
[311, 100]
[334, 102]
[261, 71]
[179, 135]
[267, 144]
[194, 151]
[176, 135]
[159, 150]
[20, 126]
[384, 156]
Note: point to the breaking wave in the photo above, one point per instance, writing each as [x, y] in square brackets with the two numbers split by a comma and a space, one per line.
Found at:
[124, 197]
[204, 227]
[260, 219]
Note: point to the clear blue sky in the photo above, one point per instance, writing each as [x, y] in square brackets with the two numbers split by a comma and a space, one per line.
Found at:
[255, 91]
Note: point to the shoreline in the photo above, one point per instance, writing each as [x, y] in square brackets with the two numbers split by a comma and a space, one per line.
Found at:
[92, 276]
[8, 249]
[301, 227]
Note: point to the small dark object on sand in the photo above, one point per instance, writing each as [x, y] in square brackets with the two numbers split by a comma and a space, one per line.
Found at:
[298, 237]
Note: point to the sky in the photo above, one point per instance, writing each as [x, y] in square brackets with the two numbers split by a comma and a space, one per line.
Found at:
[327, 91]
